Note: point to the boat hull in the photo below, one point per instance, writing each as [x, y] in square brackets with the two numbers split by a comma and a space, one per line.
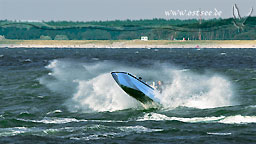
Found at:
[135, 87]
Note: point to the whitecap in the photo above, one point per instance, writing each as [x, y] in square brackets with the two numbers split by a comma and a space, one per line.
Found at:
[55, 111]
[219, 134]
[57, 120]
[48, 120]
[4, 132]
[138, 129]
[108, 121]
[26, 112]
[154, 117]
[12, 131]
[239, 119]
[50, 131]
[52, 64]
[162, 117]
[27, 60]
[123, 131]
[95, 136]
[95, 59]
[251, 106]
[40, 96]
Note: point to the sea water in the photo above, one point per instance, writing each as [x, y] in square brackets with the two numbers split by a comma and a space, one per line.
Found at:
[52, 95]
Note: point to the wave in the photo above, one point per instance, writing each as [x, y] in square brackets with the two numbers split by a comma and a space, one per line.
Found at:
[55, 111]
[237, 119]
[56, 120]
[118, 132]
[77, 133]
[219, 134]
[6, 132]
[12, 131]
[89, 87]
[50, 120]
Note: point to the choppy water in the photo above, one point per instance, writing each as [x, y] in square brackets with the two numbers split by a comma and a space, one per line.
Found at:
[69, 96]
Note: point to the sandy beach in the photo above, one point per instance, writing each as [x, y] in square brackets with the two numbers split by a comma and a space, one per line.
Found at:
[127, 44]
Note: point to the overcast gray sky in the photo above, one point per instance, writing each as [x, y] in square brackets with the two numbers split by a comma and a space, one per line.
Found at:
[88, 10]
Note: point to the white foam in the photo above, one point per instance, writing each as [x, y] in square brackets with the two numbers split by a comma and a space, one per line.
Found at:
[53, 64]
[12, 131]
[161, 117]
[109, 121]
[198, 91]
[119, 132]
[55, 111]
[237, 119]
[154, 117]
[54, 120]
[251, 106]
[138, 129]
[96, 136]
[102, 94]
[23, 130]
[41, 96]
[219, 134]
[90, 86]
[50, 131]
[25, 112]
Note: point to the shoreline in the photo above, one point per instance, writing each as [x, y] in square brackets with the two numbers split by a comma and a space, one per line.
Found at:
[127, 44]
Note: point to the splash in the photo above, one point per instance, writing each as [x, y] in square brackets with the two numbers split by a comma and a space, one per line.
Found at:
[195, 90]
[90, 87]
[101, 94]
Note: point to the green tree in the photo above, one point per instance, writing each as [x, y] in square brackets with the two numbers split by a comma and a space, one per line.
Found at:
[61, 37]
[2, 37]
[250, 35]
[43, 37]
[128, 36]
[96, 35]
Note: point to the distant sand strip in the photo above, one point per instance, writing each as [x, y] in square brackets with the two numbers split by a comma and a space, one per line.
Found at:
[128, 44]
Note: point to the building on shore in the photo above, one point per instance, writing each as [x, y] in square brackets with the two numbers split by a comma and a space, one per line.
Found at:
[144, 38]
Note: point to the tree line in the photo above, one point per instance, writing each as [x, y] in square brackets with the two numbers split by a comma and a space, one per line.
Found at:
[155, 29]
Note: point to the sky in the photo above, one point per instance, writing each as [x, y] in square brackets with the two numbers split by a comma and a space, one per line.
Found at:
[95, 10]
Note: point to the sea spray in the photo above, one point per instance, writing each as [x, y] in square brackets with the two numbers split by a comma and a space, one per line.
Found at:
[194, 90]
[90, 87]
[101, 94]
